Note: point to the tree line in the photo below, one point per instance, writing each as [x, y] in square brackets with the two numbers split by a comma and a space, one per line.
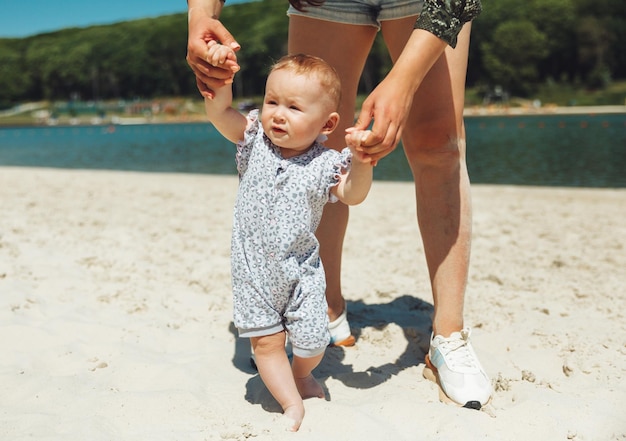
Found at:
[517, 45]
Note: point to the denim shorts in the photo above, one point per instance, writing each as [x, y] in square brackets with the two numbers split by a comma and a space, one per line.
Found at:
[361, 12]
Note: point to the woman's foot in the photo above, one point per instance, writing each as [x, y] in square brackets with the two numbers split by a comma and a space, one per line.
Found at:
[454, 366]
[339, 329]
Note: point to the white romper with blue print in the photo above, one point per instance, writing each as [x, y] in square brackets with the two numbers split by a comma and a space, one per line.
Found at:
[278, 278]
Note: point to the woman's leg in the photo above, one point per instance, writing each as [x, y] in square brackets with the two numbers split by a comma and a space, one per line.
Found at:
[331, 42]
[434, 143]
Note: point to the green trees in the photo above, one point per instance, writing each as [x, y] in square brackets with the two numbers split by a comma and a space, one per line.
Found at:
[522, 44]
[512, 57]
[261, 28]
[517, 45]
[15, 79]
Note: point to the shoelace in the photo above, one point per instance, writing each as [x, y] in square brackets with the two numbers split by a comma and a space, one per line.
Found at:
[457, 353]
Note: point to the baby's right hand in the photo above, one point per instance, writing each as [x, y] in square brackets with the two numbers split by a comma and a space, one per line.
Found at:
[218, 54]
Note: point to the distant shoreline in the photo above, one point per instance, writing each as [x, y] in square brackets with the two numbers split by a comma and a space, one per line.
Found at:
[543, 110]
[475, 111]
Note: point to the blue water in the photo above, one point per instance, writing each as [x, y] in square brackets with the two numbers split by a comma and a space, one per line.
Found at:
[547, 150]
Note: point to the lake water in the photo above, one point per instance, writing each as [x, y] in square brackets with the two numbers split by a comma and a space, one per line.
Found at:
[547, 150]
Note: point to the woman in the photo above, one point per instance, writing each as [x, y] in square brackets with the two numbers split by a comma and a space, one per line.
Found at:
[420, 101]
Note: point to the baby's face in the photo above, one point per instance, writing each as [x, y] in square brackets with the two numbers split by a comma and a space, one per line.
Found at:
[295, 110]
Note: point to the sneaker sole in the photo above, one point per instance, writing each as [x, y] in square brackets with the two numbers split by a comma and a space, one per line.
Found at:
[350, 341]
[430, 373]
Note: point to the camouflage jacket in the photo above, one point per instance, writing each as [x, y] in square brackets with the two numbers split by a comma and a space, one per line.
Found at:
[445, 18]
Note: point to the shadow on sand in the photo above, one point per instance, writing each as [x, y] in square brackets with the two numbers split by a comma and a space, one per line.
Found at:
[412, 315]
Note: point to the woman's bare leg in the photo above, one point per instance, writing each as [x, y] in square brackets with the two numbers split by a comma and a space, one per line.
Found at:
[434, 143]
[331, 42]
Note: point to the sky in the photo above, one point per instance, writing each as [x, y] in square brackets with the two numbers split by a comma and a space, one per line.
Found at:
[22, 18]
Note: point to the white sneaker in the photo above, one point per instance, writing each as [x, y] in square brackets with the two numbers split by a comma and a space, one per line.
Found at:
[456, 369]
[339, 329]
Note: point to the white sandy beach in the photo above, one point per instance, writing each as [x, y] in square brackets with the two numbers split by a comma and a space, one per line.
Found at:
[115, 316]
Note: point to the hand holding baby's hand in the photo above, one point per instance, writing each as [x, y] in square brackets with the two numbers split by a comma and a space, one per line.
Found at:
[354, 139]
[218, 55]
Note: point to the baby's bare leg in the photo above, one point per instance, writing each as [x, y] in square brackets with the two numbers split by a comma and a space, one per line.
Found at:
[305, 382]
[275, 371]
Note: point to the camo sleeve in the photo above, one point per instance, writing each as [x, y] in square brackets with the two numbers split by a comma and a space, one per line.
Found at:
[445, 18]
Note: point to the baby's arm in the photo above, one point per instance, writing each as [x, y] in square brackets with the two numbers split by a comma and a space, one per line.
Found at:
[227, 120]
[355, 184]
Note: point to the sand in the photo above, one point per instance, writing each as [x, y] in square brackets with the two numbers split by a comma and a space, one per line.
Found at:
[115, 316]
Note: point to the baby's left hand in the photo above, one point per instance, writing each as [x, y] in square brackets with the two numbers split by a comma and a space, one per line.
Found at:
[354, 139]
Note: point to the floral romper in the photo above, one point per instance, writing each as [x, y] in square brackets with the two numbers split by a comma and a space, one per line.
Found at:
[278, 279]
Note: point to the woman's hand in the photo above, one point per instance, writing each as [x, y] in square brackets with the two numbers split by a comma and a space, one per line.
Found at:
[390, 102]
[388, 105]
[204, 29]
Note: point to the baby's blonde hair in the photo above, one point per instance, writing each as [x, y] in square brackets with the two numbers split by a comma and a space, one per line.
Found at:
[302, 64]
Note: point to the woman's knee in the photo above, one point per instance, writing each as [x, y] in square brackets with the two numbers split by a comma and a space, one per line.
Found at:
[441, 153]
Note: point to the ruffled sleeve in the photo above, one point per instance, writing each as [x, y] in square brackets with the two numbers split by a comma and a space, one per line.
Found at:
[342, 164]
[245, 147]
[445, 18]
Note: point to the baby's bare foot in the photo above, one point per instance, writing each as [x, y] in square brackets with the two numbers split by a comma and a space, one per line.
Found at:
[293, 416]
[309, 387]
